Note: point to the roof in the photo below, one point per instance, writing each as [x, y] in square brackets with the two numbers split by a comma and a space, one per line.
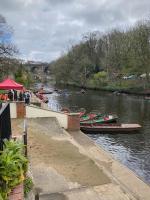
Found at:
[8, 84]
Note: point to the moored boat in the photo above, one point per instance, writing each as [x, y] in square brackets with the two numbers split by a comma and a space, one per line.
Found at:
[42, 97]
[46, 92]
[82, 112]
[110, 128]
[100, 119]
[45, 99]
[86, 117]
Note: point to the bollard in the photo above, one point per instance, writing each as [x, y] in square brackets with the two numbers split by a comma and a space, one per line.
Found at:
[21, 109]
[73, 122]
[37, 196]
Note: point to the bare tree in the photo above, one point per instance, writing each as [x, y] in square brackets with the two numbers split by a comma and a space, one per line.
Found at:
[7, 49]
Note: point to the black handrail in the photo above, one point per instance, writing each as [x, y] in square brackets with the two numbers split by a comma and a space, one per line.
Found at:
[5, 123]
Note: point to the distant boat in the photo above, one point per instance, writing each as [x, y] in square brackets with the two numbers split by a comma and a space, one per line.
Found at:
[42, 97]
[45, 92]
[56, 90]
[82, 91]
[110, 128]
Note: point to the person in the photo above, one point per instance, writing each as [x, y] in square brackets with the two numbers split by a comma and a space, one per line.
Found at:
[21, 96]
[27, 97]
[10, 95]
[15, 95]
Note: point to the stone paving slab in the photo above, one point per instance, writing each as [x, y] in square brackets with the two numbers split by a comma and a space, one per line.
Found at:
[45, 125]
[47, 179]
[17, 126]
[103, 192]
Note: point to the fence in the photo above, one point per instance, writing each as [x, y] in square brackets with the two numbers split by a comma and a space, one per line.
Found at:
[25, 141]
[5, 123]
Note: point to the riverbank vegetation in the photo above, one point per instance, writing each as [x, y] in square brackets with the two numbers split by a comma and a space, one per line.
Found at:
[119, 59]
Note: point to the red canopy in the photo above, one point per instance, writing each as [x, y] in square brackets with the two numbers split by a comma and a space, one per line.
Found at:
[8, 84]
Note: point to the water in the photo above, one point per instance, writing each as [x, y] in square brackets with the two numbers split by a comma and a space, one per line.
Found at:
[133, 150]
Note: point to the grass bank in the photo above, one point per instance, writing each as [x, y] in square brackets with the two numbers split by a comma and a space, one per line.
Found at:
[135, 87]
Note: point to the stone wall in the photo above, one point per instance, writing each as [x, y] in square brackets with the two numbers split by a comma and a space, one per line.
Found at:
[69, 121]
[34, 112]
[17, 193]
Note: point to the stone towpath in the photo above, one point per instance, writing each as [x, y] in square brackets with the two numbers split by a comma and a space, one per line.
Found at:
[68, 166]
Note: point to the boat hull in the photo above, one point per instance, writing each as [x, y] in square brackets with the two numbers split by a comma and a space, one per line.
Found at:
[46, 92]
[122, 128]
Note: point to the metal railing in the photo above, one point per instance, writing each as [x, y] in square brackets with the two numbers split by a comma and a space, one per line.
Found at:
[5, 123]
[25, 140]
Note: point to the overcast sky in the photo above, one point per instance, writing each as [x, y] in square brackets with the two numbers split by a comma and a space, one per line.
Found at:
[44, 29]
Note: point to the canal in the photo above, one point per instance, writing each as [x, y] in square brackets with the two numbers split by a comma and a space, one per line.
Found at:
[133, 150]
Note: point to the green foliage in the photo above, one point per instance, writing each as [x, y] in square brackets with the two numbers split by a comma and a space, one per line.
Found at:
[13, 166]
[100, 75]
[22, 76]
[100, 78]
[125, 85]
[28, 185]
[119, 53]
[2, 91]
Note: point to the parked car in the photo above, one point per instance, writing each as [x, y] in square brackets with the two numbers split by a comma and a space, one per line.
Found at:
[129, 77]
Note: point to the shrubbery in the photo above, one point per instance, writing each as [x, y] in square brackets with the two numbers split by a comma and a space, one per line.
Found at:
[13, 167]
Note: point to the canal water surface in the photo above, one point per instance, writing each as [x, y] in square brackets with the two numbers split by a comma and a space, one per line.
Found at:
[133, 150]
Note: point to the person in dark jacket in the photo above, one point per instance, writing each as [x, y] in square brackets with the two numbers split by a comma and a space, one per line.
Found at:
[10, 95]
[27, 97]
[15, 95]
[21, 96]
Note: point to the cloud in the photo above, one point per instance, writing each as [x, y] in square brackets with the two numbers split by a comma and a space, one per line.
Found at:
[43, 29]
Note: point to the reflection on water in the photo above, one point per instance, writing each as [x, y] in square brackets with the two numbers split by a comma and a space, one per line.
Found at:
[131, 149]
